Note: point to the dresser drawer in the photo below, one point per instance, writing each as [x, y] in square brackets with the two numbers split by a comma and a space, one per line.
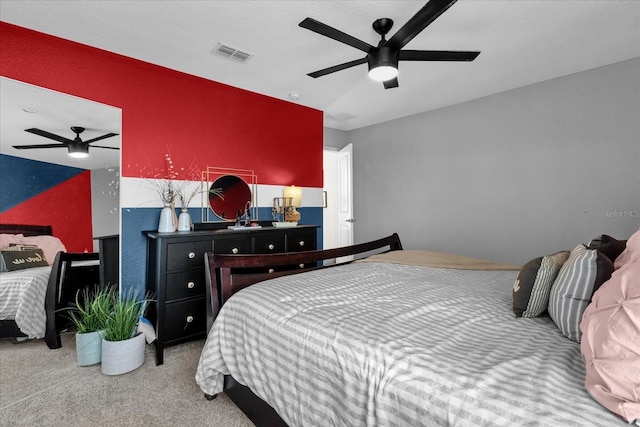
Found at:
[186, 318]
[185, 284]
[266, 243]
[187, 254]
[232, 246]
[301, 240]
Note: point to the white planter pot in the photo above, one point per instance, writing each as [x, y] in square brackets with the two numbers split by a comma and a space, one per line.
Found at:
[119, 357]
[89, 348]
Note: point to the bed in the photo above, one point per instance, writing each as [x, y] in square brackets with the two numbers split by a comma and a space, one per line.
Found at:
[398, 338]
[32, 300]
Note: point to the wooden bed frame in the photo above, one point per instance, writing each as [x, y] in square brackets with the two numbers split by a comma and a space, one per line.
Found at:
[64, 281]
[227, 274]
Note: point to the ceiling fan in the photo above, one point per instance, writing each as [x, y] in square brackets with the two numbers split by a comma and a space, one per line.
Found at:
[383, 59]
[77, 147]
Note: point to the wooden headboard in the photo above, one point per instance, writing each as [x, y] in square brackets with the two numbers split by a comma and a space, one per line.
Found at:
[228, 274]
[26, 229]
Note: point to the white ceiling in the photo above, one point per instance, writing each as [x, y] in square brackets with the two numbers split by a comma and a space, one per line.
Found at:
[522, 42]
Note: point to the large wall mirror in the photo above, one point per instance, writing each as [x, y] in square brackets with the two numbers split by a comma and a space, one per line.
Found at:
[52, 113]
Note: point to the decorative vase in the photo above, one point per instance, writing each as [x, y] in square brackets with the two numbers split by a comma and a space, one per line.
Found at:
[167, 223]
[89, 348]
[120, 357]
[184, 220]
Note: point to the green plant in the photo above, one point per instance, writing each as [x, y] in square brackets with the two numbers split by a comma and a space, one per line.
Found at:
[88, 314]
[122, 319]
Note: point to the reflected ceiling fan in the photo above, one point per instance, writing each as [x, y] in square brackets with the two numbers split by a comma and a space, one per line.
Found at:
[77, 147]
[383, 59]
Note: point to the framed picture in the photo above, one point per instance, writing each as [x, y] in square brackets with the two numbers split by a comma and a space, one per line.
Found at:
[324, 199]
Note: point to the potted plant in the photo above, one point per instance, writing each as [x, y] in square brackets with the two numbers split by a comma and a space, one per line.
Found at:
[88, 316]
[122, 346]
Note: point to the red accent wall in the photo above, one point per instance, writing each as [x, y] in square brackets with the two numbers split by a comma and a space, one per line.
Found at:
[199, 122]
[66, 207]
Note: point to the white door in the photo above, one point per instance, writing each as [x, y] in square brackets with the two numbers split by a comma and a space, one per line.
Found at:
[345, 198]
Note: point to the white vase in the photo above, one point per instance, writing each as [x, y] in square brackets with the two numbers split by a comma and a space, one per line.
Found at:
[89, 348]
[184, 220]
[119, 357]
[167, 220]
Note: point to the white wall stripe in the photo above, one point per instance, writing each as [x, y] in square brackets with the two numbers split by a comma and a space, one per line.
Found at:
[140, 193]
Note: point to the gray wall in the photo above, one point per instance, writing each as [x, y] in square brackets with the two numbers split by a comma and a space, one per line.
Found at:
[510, 176]
[105, 202]
[335, 138]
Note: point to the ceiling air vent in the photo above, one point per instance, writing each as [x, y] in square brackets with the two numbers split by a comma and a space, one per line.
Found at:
[231, 52]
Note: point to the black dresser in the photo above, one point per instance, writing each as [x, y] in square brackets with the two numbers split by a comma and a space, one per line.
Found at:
[176, 273]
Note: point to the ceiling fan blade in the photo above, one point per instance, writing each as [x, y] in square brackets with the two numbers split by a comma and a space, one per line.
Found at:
[26, 147]
[102, 146]
[419, 22]
[332, 33]
[49, 135]
[390, 84]
[335, 68]
[437, 55]
[108, 135]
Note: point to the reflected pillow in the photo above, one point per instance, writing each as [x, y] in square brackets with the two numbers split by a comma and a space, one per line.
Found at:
[583, 273]
[7, 240]
[533, 284]
[19, 260]
[50, 245]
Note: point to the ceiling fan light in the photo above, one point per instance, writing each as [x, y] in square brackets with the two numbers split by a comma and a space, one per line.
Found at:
[383, 64]
[78, 154]
[382, 73]
[78, 151]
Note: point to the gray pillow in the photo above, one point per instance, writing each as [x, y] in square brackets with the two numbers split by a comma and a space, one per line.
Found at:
[582, 274]
[533, 284]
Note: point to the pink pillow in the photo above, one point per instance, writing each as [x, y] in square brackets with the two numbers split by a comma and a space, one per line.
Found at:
[611, 339]
[622, 259]
[7, 239]
[632, 250]
[50, 245]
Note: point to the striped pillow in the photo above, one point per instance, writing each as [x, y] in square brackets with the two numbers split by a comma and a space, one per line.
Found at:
[533, 285]
[579, 277]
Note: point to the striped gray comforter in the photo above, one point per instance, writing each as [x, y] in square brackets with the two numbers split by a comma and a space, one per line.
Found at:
[22, 295]
[380, 344]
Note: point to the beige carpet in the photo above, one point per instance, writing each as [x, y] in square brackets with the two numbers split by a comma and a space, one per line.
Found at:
[42, 387]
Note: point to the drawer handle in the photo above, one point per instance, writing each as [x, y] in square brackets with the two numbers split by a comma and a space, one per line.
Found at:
[301, 265]
[191, 285]
[189, 319]
[234, 250]
[301, 243]
[271, 270]
[270, 246]
[192, 255]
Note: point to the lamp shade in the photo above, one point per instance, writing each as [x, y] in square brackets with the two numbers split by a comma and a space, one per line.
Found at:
[295, 193]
